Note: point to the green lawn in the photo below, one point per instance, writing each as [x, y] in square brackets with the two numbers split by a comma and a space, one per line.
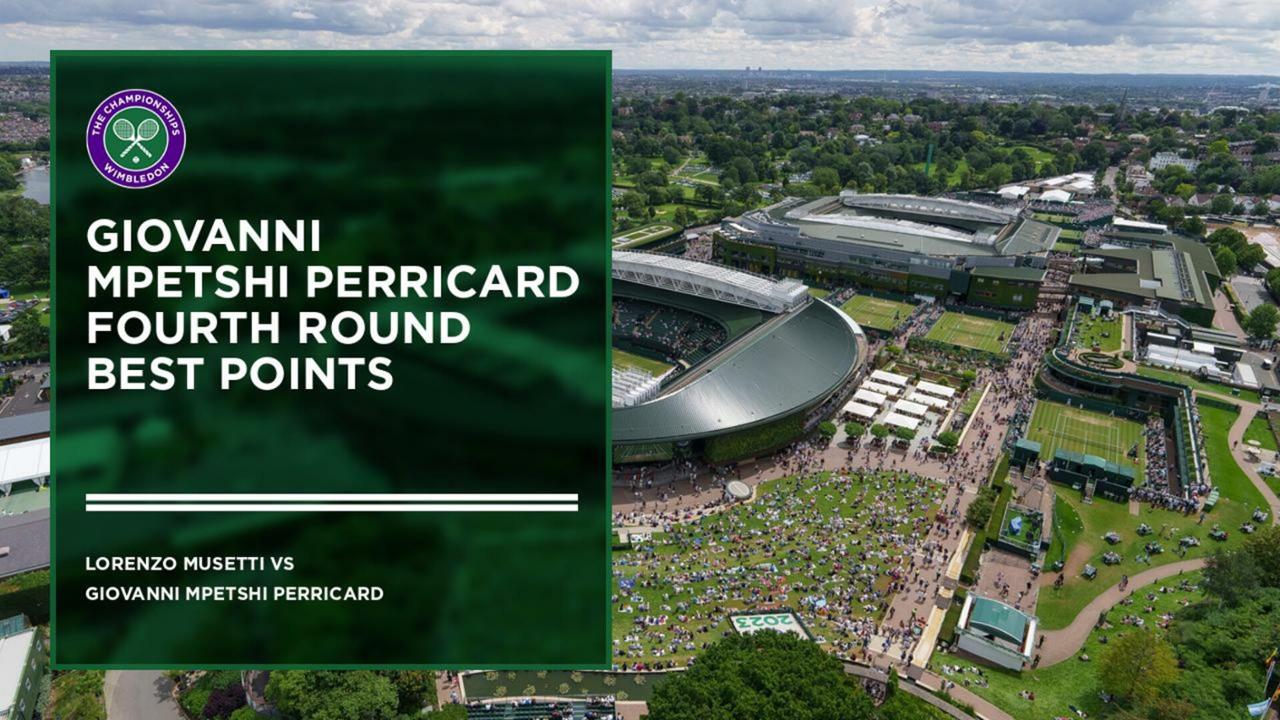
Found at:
[1067, 529]
[971, 331]
[1071, 234]
[1066, 247]
[971, 401]
[819, 292]
[833, 522]
[954, 177]
[1040, 157]
[1195, 383]
[1106, 334]
[1071, 682]
[878, 313]
[1260, 430]
[1227, 476]
[1055, 426]
[623, 359]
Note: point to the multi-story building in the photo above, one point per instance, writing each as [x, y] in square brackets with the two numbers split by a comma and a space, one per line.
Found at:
[901, 243]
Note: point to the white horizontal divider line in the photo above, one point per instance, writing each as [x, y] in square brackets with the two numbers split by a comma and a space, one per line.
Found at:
[332, 497]
[332, 507]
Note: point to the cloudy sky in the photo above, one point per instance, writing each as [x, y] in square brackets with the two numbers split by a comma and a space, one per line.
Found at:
[1213, 36]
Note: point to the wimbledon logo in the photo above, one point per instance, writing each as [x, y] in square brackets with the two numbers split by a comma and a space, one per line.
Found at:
[135, 138]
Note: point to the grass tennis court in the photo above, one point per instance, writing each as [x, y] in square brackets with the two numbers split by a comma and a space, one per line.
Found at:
[1055, 426]
[624, 360]
[971, 331]
[878, 313]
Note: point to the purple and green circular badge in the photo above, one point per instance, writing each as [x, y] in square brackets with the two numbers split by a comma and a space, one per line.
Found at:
[135, 138]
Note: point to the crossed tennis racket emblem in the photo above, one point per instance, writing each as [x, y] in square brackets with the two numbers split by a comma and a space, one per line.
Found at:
[135, 135]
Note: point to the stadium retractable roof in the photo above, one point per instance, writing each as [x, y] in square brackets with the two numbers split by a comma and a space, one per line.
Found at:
[792, 365]
[941, 207]
[709, 281]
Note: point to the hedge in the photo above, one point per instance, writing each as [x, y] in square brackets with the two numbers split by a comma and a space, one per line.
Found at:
[754, 441]
[948, 632]
[26, 594]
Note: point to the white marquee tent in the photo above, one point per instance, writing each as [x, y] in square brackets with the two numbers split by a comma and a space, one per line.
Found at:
[942, 391]
[906, 407]
[933, 402]
[870, 398]
[890, 378]
[24, 461]
[902, 421]
[881, 388]
[854, 407]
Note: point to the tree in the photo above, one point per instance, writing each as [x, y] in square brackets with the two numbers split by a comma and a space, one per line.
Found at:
[1226, 260]
[903, 433]
[1220, 205]
[880, 431]
[1231, 575]
[949, 439]
[1094, 155]
[827, 429]
[223, 701]
[1229, 237]
[78, 696]
[1261, 323]
[762, 676]
[825, 178]
[1193, 226]
[855, 429]
[1273, 281]
[1252, 256]
[1137, 667]
[332, 695]
[27, 336]
[978, 514]
[414, 688]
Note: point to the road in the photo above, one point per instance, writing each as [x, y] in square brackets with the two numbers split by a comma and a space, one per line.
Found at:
[139, 695]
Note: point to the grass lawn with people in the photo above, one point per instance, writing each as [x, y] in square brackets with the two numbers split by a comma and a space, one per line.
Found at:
[795, 546]
[624, 360]
[1070, 682]
[1096, 333]
[971, 331]
[878, 313]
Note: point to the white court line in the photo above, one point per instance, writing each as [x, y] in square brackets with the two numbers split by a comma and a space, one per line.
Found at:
[332, 497]
[329, 507]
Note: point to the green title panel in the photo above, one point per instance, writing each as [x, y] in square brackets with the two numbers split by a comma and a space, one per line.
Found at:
[330, 359]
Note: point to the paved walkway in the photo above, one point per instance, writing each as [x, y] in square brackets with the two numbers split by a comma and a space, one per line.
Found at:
[139, 695]
[981, 707]
[1063, 644]
[1223, 318]
[911, 688]
[1235, 438]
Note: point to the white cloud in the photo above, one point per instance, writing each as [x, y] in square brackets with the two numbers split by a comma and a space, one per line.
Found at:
[1227, 36]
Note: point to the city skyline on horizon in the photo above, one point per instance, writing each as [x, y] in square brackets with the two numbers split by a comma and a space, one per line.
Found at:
[1209, 37]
